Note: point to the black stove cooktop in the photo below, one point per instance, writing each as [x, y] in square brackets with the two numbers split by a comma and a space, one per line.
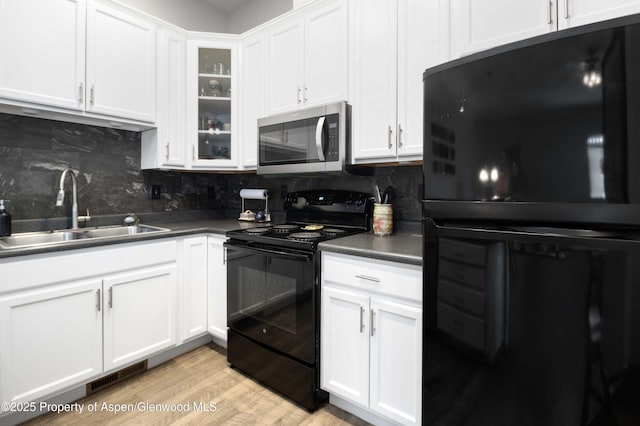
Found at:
[312, 217]
[302, 236]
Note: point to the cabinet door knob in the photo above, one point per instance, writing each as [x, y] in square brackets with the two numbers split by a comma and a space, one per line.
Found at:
[110, 297]
[92, 96]
[99, 300]
[389, 137]
[566, 9]
[361, 319]
[399, 136]
[167, 151]
[299, 99]
[81, 93]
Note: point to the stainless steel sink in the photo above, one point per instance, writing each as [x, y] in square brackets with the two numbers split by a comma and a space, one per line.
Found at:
[35, 239]
[39, 238]
[117, 231]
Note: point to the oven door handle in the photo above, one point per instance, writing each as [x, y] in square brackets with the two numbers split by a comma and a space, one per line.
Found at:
[288, 255]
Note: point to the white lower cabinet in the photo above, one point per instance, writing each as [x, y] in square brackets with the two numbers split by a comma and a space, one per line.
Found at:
[217, 288]
[50, 338]
[139, 314]
[69, 317]
[192, 264]
[371, 335]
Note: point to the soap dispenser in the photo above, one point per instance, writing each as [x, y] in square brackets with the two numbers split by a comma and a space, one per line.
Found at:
[5, 220]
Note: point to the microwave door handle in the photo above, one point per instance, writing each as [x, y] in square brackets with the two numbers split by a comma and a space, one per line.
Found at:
[319, 128]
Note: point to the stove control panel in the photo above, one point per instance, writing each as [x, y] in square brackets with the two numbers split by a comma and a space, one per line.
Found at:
[330, 200]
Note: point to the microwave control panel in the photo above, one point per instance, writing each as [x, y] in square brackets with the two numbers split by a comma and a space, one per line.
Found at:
[333, 138]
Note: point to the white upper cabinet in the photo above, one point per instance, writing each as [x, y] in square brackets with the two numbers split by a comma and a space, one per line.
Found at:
[42, 45]
[121, 69]
[212, 109]
[572, 13]
[164, 147]
[373, 80]
[477, 26]
[307, 58]
[252, 96]
[81, 56]
[392, 43]
[325, 55]
[285, 67]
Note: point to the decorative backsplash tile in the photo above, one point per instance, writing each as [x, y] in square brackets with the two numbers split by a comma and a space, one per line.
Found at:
[34, 152]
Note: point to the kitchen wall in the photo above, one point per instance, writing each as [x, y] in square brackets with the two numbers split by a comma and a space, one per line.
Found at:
[194, 15]
[201, 15]
[33, 153]
[253, 13]
[405, 180]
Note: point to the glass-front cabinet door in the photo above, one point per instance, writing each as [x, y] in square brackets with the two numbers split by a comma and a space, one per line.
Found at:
[212, 107]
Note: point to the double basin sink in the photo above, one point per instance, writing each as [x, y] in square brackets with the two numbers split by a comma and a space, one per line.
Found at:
[36, 239]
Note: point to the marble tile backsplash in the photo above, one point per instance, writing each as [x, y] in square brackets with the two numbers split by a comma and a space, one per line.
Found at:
[34, 152]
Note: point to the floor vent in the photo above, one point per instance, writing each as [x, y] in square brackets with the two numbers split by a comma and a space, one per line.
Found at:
[112, 378]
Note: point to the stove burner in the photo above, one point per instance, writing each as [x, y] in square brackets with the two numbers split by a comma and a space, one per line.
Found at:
[257, 231]
[284, 229]
[305, 236]
[333, 232]
[312, 227]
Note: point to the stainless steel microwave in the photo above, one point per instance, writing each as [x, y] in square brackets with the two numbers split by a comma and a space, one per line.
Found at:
[309, 141]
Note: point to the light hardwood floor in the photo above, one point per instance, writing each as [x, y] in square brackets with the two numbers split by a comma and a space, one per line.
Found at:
[199, 376]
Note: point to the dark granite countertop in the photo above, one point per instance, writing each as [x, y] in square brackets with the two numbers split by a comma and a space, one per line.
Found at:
[188, 223]
[404, 245]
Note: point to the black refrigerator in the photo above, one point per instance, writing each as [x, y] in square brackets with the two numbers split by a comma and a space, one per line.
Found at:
[531, 231]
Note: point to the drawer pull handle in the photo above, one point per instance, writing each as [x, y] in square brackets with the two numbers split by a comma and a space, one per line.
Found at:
[99, 301]
[361, 319]
[368, 278]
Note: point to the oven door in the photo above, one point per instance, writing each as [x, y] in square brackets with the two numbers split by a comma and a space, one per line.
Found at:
[271, 297]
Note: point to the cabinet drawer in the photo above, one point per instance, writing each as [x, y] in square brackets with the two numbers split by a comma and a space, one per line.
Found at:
[461, 297]
[462, 326]
[395, 279]
[460, 251]
[462, 273]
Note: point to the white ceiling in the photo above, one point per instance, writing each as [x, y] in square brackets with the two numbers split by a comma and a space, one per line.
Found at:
[229, 6]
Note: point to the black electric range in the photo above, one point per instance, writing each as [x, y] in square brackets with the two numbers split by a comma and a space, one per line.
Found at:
[273, 290]
[312, 217]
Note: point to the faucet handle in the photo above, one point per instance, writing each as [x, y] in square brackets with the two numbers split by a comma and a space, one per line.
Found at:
[86, 218]
[131, 220]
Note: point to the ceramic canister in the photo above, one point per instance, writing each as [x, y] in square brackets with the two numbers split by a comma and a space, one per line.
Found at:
[382, 219]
